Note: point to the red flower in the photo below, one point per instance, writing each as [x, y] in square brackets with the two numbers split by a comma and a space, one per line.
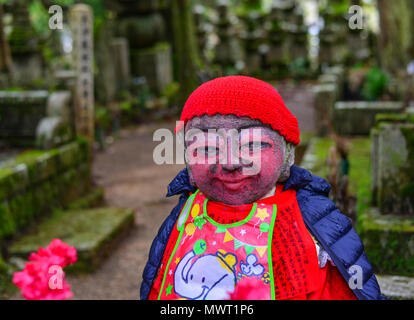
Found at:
[250, 289]
[42, 277]
[61, 253]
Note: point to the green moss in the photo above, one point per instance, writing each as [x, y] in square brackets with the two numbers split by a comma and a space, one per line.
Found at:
[359, 158]
[7, 223]
[84, 149]
[407, 188]
[90, 231]
[7, 288]
[69, 156]
[394, 118]
[171, 92]
[159, 47]
[93, 199]
[13, 180]
[33, 186]
[315, 158]
[68, 185]
[22, 209]
[389, 242]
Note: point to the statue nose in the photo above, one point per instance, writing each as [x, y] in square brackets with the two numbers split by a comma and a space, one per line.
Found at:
[232, 162]
[231, 166]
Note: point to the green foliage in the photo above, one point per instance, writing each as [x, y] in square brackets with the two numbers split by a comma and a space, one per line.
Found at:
[15, 89]
[339, 7]
[171, 92]
[125, 105]
[375, 84]
[103, 117]
[39, 16]
[247, 8]
[299, 68]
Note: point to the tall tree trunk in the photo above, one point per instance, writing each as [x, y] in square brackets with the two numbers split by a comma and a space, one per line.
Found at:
[5, 56]
[396, 36]
[187, 60]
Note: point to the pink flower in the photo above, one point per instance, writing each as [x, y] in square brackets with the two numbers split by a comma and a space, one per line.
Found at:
[42, 277]
[250, 289]
[62, 253]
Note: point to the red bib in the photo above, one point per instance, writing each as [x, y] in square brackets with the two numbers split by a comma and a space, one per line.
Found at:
[207, 258]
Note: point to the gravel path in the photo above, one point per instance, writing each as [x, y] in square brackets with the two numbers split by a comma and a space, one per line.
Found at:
[131, 180]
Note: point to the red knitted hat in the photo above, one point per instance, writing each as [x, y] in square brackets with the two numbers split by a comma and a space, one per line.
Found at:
[244, 97]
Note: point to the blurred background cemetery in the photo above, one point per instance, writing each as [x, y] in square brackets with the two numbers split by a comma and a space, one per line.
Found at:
[84, 85]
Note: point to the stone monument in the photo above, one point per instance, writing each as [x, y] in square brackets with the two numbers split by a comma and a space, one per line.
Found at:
[142, 23]
[81, 21]
[393, 164]
[27, 60]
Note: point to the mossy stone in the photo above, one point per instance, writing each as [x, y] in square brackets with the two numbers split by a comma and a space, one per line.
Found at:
[21, 208]
[69, 156]
[69, 187]
[91, 232]
[7, 224]
[92, 200]
[13, 180]
[85, 154]
[388, 241]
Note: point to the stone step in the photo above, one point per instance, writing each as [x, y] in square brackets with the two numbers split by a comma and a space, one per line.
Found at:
[396, 287]
[93, 232]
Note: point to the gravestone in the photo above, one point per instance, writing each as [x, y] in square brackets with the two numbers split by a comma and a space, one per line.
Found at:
[393, 164]
[333, 48]
[253, 38]
[35, 118]
[106, 78]
[24, 45]
[227, 51]
[358, 117]
[155, 64]
[81, 22]
[143, 25]
[325, 97]
[120, 52]
[287, 35]
[204, 29]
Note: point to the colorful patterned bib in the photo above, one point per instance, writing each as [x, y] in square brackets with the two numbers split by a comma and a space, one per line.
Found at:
[209, 258]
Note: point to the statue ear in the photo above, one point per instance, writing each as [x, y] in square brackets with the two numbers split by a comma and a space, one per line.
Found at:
[288, 161]
[190, 176]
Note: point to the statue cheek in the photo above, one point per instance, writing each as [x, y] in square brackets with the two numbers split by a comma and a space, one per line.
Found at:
[202, 173]
[271, 165]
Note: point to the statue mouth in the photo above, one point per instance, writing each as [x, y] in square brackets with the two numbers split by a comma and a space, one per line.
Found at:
[233, 184]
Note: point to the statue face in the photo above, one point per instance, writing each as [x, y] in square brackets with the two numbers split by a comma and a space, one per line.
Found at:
[238, 162]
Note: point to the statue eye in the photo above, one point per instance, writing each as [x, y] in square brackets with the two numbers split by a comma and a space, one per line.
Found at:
[191, 277]
[254, 146]
[209, 150]
[204, 279]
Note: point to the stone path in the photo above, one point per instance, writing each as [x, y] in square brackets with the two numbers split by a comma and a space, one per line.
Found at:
[397, 287]
[131, 180]
[300, 100]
